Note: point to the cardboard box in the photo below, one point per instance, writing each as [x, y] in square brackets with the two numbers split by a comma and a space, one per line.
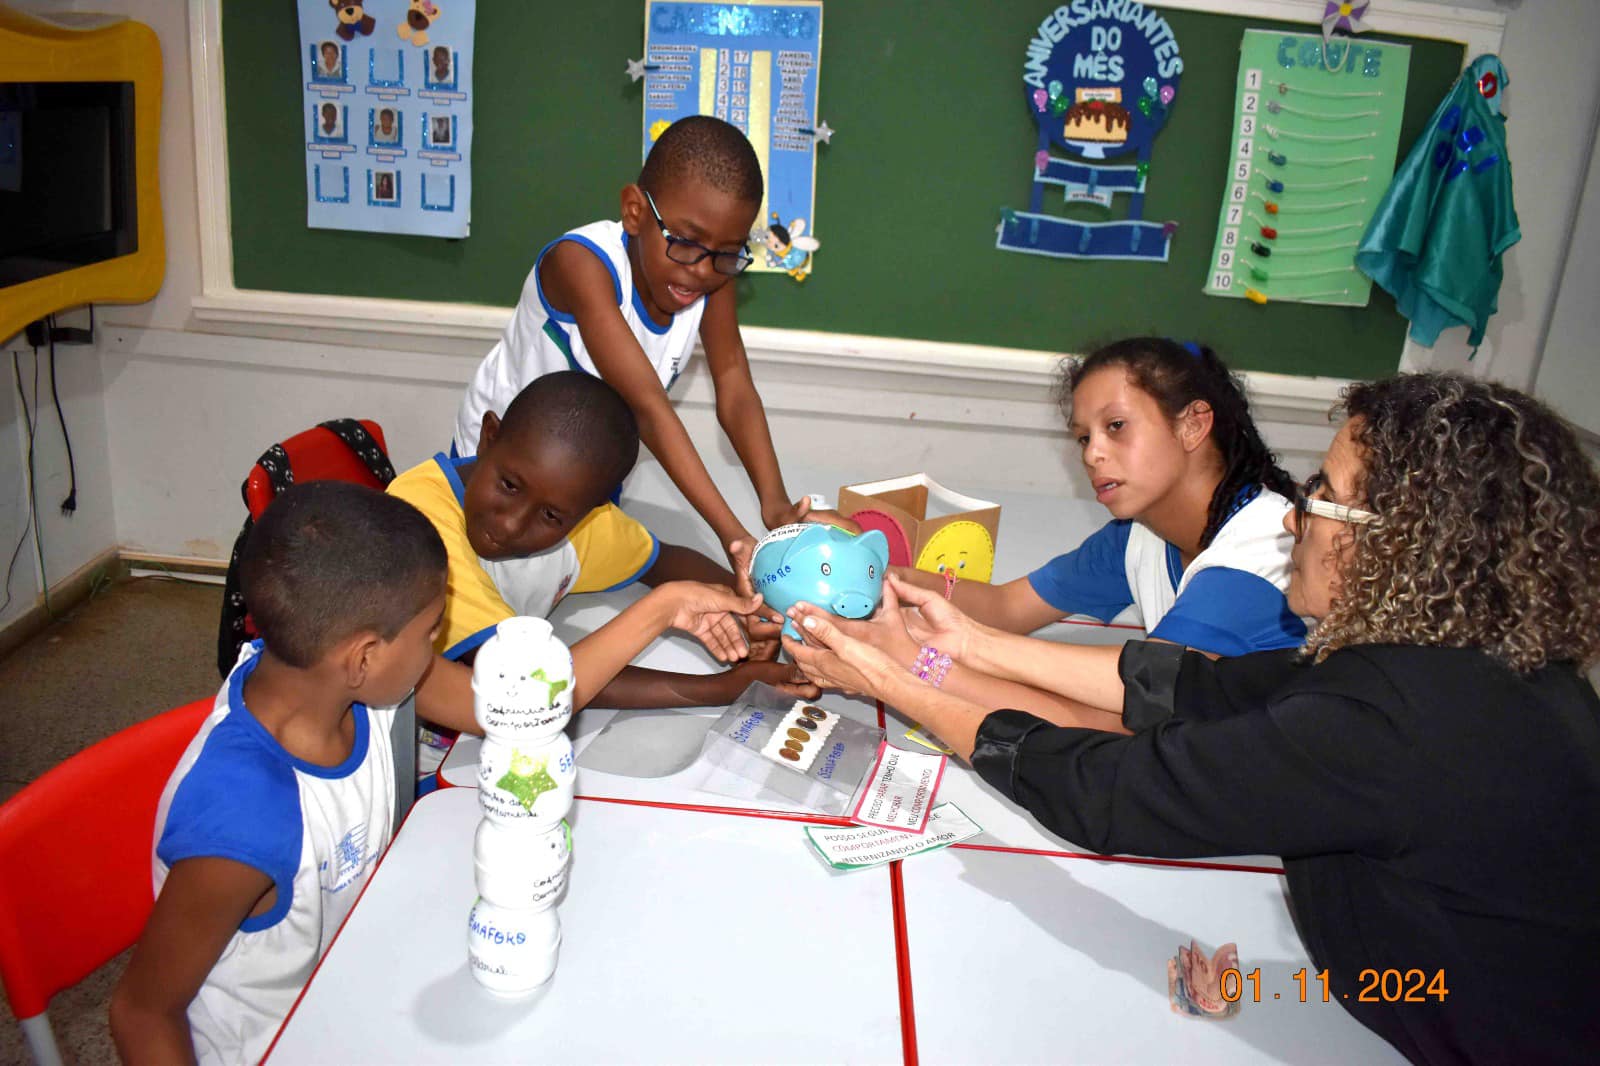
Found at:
[928, 525]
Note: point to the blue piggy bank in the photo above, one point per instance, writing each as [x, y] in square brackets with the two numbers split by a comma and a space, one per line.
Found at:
[820, 564]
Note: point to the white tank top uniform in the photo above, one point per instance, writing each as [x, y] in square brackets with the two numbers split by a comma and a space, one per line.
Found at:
[317, 831]
[540, 340]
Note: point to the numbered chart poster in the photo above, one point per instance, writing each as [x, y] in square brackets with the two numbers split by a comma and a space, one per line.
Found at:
[1315, 130]
[756, 66]
[387, 112]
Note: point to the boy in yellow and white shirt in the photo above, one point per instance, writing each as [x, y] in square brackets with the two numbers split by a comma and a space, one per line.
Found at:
[526, 521]
[605, 550]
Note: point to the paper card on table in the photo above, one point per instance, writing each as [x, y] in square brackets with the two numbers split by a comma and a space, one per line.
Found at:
[857, 849]
[916, 735]
[898, 791]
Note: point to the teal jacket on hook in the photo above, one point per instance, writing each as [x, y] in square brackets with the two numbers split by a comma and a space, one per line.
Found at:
[1436, 240]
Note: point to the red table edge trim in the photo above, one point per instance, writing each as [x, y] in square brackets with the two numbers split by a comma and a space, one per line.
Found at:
[902, 958]
[741, 812]
[348, 914]
[1135, 860]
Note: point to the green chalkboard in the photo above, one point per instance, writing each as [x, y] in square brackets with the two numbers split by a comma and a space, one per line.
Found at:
[934, 139]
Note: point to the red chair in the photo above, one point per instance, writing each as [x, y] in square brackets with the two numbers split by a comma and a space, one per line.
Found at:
[75, 875]
[317, 454]
[338, 450]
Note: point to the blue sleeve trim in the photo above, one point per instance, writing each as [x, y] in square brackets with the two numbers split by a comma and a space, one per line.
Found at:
[466, 644]
[238, 803]
[450, 466]
[553, 330]
[1091, 579]
[644, 314]
[1230, 612]
[655, 553]
[616, 282]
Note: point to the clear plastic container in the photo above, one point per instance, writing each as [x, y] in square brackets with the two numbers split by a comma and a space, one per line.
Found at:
[527, 785]
[733, 762]
[522, 682]
[512, 952]
[520, 868]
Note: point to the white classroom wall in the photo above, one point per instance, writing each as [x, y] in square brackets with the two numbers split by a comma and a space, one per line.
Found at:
[167, 413]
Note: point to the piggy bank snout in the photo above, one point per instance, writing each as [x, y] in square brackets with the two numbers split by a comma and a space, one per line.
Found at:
[852, 605]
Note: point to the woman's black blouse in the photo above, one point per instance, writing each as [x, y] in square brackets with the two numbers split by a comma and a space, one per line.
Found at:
[1435, 811]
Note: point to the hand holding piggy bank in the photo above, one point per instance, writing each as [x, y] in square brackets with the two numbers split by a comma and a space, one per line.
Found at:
[838, 571]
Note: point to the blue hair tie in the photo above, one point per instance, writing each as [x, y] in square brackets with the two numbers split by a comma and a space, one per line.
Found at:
[1192, 348]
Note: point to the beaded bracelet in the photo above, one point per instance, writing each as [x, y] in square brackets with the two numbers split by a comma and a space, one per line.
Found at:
[931, 666]
[949, 582]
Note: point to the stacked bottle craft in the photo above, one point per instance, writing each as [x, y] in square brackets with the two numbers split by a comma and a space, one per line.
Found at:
[512, 952]
[522, 699]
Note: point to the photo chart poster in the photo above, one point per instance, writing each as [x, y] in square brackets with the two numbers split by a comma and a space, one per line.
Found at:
[387, 108]
[755, 66]
[1316, 126]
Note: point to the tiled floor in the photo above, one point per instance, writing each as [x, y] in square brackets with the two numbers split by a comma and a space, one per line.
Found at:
[135, 649]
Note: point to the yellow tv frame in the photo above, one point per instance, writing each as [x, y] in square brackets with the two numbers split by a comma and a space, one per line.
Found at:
[32, 50]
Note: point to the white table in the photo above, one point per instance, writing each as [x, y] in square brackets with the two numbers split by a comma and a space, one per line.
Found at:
[700, 927]
[719, 937]
[1028, 958]
[686, 937]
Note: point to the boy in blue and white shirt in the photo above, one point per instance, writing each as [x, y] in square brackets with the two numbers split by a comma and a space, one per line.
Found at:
[279, 809]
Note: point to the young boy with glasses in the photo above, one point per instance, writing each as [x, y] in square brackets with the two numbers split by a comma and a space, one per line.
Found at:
[625, 300]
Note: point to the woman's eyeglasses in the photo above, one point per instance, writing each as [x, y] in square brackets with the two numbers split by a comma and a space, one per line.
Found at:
[1305, 502]
[687, 252]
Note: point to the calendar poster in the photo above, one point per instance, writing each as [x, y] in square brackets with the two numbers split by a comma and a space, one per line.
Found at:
[755, 66]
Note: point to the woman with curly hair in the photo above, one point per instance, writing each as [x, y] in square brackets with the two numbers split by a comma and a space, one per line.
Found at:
[1428, 765]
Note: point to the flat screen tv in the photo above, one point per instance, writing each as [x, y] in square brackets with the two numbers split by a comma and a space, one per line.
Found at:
[80, 197]
[67, 189]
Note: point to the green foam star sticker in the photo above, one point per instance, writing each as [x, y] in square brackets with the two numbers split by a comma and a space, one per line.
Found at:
[555, 688]
[527, 779]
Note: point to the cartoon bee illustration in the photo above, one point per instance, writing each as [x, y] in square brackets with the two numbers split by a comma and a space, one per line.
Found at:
[789, 247]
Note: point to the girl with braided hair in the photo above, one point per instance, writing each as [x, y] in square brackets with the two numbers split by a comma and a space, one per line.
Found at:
[1196, 542]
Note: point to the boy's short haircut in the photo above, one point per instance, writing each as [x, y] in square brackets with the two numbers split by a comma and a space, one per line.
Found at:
[706, 149]
[583, 412]
[329, 559]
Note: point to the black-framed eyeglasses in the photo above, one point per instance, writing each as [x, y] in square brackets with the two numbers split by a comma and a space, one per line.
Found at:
[1305, 501]
[683, 250]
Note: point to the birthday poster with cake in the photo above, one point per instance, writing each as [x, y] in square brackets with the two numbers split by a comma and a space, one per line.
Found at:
[1100, 80]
